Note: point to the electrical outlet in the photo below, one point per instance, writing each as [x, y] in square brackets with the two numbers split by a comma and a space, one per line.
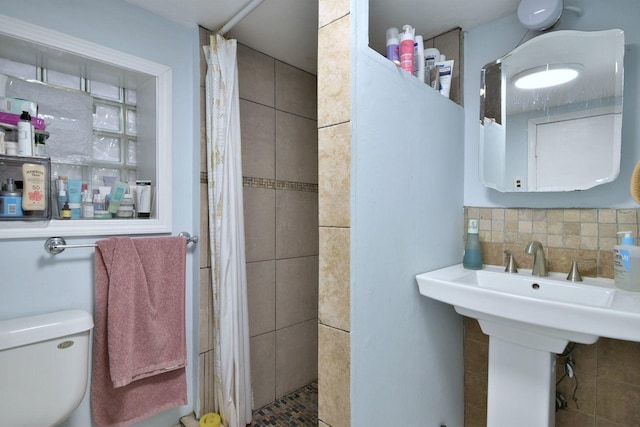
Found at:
[518, 182]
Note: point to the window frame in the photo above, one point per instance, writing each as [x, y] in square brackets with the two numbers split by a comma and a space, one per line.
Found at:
[158, 80]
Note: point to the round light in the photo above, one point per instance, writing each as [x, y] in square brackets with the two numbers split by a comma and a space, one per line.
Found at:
[539, 14]
[548, 76]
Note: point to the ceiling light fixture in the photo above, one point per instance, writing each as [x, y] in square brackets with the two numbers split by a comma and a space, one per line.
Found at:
[547, 76]
[539, 14]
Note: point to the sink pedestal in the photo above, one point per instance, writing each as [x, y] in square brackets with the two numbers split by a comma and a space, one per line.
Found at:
[521, 385]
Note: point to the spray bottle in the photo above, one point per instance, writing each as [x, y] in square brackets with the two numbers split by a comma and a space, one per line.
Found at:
[407, 49]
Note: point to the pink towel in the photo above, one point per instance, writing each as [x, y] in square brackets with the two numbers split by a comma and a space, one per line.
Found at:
[139, 351]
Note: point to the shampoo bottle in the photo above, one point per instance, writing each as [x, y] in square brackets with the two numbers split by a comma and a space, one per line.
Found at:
[407, 49]
[472, 253]
[626, 263]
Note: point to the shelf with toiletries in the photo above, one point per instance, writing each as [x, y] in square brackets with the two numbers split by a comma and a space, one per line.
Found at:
[108, 115]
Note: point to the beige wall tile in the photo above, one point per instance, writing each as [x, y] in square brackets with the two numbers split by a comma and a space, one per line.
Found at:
[296, 224]
[335, 263]
[451, 45]
[334, 75]
[618, 402]
[573, 418]
[296, 356]
[206, 369]
[258, 130]
[263, 368]
[261, 297]
[296, 91]
[330, 10]
[203, 131]
[334, 170]
[296, 148]
[259, 223]
[203, 37]
[475, 395]
[256, 76]
[619, 361]
[334, 377]
[203, 239]
[296, 291]
[206, 311]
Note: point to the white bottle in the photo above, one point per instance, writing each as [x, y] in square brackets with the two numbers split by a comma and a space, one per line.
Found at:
[25, 135]
[626, 263]
[407, 49]
[431, 56]
[418, 58]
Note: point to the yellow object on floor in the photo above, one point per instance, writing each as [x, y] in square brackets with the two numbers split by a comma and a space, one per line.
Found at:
[210, 419]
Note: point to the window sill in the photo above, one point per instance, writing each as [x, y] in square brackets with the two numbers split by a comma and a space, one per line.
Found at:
[92, 227]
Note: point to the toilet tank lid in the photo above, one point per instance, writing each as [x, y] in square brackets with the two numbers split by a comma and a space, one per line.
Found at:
[42, 327]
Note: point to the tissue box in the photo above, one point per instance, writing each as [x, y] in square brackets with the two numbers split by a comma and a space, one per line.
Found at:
[17, 106]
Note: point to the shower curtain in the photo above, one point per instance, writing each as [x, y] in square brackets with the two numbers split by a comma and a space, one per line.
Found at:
[232, 376]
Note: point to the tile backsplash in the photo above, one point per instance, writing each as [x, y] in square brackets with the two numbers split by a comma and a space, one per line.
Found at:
[564, 233]
[606, 386]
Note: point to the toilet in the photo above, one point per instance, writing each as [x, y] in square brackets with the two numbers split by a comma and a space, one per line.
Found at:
[44, 363]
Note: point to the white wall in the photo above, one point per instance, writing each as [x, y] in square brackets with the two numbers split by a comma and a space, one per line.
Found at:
[407, 153]
[488, 42]
[33, 281]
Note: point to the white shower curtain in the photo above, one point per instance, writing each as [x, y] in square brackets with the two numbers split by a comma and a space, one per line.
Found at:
[232, 382]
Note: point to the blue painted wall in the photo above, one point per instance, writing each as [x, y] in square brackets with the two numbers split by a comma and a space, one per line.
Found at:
[32, 281]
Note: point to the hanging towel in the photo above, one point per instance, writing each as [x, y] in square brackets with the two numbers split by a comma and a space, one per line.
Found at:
[139, 351]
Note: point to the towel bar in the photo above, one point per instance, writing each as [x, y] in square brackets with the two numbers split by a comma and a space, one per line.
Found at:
[55, 245]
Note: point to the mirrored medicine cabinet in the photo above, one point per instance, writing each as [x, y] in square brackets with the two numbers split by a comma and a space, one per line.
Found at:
[540, 135]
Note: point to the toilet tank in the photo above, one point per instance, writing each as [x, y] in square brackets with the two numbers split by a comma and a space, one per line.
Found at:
[44, 363]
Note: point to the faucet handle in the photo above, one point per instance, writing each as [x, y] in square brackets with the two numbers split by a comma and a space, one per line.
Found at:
[574, 275]
[511, 263]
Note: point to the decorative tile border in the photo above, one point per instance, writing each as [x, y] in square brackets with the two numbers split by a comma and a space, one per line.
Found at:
[279, 185]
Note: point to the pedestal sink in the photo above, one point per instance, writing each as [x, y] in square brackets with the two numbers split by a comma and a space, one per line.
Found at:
[529, 319]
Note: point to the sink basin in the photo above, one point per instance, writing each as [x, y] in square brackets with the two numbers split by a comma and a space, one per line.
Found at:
[529, 320]
[579, 312]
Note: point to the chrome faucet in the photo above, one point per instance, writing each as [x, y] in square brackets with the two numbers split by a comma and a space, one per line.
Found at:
[539, 263]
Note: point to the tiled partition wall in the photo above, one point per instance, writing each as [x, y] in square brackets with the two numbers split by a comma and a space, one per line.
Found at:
[608, 372]
[334, 168]
[280, 174]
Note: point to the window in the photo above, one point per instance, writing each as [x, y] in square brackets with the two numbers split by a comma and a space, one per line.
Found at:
[131, 135]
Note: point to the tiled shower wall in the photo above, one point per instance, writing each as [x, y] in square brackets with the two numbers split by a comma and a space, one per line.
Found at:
[280, 192]
[607, 372]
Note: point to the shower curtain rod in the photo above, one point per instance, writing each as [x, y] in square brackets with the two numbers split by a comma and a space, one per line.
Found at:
[238, 17]
[55, 245]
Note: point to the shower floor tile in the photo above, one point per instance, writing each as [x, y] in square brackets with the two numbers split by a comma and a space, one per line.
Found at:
[297, 409]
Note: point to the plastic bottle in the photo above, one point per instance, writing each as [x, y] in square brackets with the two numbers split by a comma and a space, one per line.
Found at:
[25, 135]
[431, 56]
[407, 49]
[626, 263]
[472, 253]
[418, 58]
[393, 45]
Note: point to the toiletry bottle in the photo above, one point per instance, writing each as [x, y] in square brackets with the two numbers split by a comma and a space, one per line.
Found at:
[34, 184]
[626, 263]
[431, 56]
[117, 193]
[87, 205]
[407, 49]
[472, 253]
[393, 45]
[25, 135]
[418, 58]
[65, 213]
